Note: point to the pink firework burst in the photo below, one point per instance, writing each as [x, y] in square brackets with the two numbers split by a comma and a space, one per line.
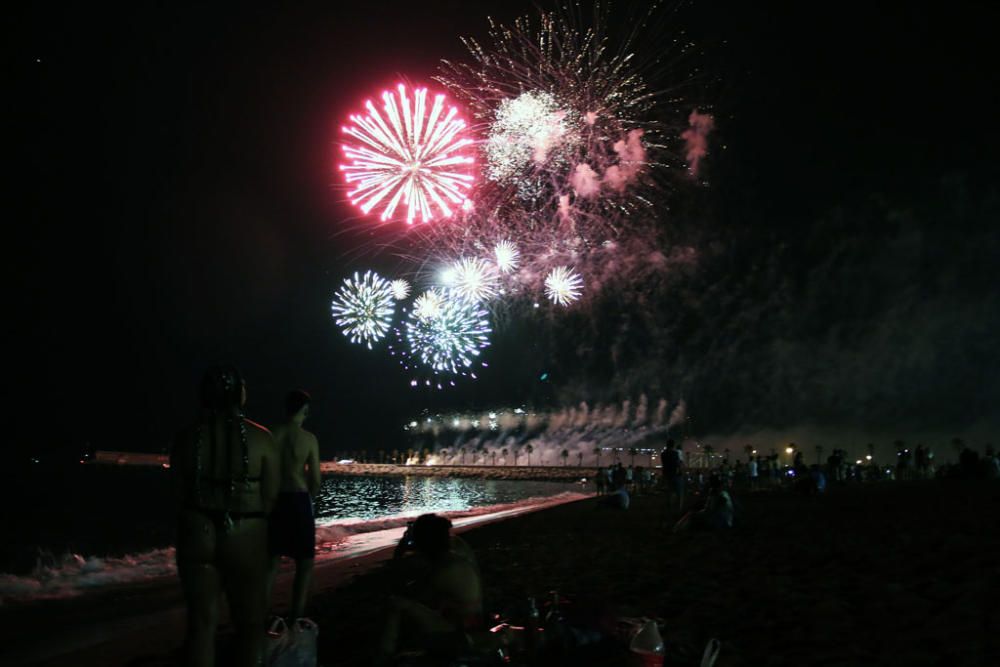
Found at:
[409, 155]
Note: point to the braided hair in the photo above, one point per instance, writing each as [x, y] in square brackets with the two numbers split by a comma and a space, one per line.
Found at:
[221, 396]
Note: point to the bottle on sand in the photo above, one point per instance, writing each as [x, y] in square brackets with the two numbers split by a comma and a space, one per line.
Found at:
[647, 647]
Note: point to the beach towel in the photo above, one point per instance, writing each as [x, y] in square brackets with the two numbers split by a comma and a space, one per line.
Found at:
[291, 647]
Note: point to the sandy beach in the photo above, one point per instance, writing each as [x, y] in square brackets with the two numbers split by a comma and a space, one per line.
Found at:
[883, 574]
[880, 574]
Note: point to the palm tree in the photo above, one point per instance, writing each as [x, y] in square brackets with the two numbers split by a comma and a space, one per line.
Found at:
[749, 451]
[409, 454]
[565, 455]
[462, 452]
[517, 452]
[381, 456]
[426, 454]
[494, 455]
[819, 454]
[444, 454]
[395, 456]
[579, 459]
[709, 450]
[503, 452]
[725, 455]
[529, 449]
[597, 454]
[632, 453]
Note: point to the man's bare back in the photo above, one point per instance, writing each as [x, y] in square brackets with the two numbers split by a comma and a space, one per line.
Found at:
[298, 451]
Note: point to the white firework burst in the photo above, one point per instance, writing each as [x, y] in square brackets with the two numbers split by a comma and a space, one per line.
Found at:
[475, 279]
[507, 256]
[427, 305]
[450, 341]
[363, 308]
[400, 289]
[563, 286]
[529, 131]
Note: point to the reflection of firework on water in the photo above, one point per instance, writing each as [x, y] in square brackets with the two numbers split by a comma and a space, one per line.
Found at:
[400, 289]
[449, 342]
[563, 286]
[363, 308]
[507, 256]
[475, 279]
[410, 154]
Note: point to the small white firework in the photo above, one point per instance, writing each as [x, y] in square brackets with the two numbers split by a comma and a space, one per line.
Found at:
[563, 286]
[363, 308]
[508, 257]
[427, 305]
[475, 279]
[400, 289]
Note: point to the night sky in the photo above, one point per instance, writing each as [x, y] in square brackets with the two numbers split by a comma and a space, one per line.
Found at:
[174, 206]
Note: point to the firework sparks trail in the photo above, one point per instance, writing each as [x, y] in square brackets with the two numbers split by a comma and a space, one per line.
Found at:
[581, 136]
[410, 154]
[363, 308]
[563, 286]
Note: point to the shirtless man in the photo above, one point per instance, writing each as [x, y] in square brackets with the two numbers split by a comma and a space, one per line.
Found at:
[226, 477]
[293, 526]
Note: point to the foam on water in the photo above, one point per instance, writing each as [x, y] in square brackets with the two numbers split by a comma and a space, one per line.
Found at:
[73, 575]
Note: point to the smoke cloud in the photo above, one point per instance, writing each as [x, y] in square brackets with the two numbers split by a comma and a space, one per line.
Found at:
[585, 181]
[696, 139]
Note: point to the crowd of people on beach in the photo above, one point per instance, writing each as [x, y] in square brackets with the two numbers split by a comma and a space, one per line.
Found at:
[245, 499]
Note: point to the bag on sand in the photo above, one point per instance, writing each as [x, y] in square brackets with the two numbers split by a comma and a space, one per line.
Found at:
[291, 647]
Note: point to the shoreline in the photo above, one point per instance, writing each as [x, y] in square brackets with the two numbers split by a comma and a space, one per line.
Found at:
[519, 472]
[142, 623]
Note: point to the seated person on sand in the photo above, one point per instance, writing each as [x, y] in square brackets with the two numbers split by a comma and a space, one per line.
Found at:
[717, 512]
[438, 600]
[618, 499]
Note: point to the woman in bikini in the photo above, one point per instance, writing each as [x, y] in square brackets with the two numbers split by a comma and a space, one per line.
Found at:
[227, 476]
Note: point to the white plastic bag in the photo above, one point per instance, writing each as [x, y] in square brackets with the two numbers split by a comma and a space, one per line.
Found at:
[291, 647]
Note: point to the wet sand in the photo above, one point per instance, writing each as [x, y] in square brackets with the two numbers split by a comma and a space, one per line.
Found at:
[884, 574]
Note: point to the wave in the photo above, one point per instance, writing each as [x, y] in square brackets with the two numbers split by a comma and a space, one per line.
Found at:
[72, 575]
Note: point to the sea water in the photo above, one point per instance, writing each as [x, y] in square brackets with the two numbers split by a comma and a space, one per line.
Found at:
[78, 529]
